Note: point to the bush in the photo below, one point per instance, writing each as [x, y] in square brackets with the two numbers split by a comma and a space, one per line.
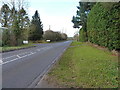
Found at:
[82, 35]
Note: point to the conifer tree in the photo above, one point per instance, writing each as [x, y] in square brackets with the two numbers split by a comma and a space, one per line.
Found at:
[36, 28]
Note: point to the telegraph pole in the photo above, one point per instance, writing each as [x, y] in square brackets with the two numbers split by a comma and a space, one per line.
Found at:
[49, 27]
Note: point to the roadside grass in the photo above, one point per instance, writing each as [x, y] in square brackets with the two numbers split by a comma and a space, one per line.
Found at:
[43, 41]
[75, 43]
[85, 66]
[8, 48]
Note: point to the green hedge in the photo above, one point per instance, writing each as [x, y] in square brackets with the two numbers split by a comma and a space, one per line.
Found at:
[103, 25]
[82, 35]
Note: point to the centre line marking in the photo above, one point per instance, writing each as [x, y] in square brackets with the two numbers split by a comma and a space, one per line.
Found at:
[14, 55]
[19, 58]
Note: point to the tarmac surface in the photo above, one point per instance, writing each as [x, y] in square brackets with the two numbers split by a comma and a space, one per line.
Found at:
[25, 68]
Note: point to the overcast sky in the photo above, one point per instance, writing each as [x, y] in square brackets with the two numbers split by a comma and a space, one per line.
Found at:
[56, 13]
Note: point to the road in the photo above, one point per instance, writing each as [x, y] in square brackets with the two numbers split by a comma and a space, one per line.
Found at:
[24, 68]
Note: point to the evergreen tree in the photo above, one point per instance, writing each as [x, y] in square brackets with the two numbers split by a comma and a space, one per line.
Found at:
[5, 15]
[81, 16]
[36, 28]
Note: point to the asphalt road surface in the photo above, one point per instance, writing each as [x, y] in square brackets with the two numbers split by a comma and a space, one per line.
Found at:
[24, 68]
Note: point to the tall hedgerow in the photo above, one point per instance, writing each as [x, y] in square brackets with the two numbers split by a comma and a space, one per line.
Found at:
[103, 25]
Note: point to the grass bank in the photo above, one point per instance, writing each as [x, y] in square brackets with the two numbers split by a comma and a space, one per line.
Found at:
[9, 48]
[84, 66]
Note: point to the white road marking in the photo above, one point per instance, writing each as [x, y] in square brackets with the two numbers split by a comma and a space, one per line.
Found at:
[18, 58]
[8, 57]
[1, 61]
[9, 61]
[14, 55]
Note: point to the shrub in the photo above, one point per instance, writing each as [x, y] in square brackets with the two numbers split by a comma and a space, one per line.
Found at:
[82, 35]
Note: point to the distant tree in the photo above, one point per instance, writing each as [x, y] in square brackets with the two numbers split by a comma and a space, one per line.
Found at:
[54, 36]
[49, 35]
[36, 28]
[58, 36]
[64, 36]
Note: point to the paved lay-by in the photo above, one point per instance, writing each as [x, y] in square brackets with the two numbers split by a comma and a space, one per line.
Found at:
[24, 68]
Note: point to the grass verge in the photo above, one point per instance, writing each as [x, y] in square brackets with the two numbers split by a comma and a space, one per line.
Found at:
[7, 48]
[84, 66]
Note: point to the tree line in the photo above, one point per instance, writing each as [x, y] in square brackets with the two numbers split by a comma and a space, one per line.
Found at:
[18, 26]
[15, 19]
[54, 36]
[100, 23]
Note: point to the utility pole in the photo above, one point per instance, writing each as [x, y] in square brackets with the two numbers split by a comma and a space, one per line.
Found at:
[49, 27]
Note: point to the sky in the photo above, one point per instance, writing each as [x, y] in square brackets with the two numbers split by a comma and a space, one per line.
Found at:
[55, 13]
